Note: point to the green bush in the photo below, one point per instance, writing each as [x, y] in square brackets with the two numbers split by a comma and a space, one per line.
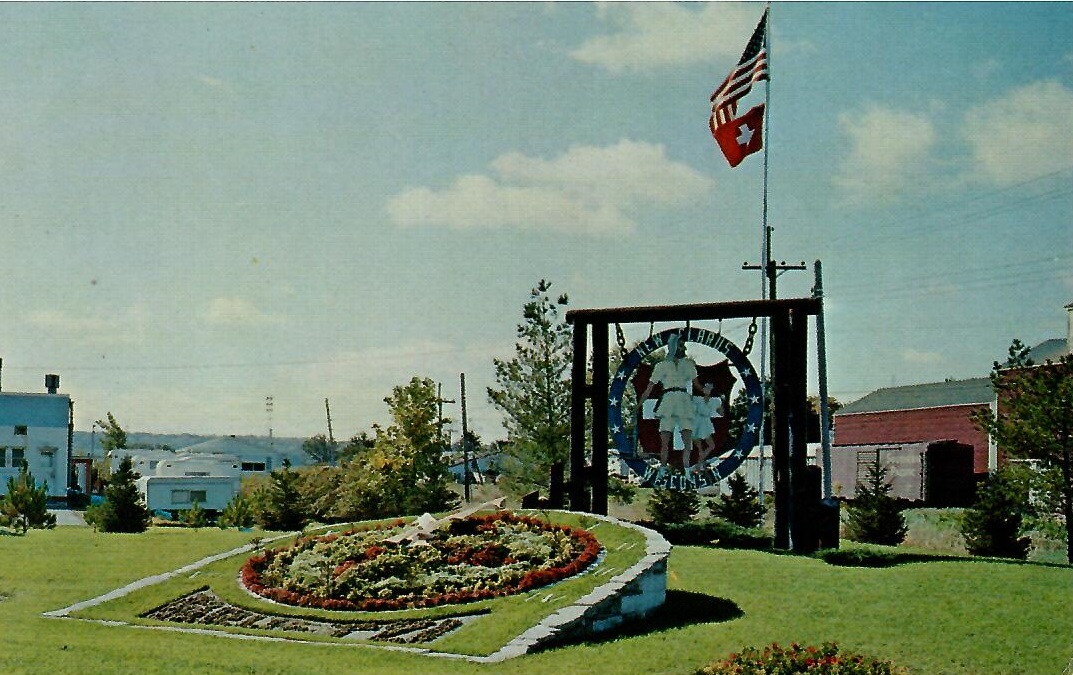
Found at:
[26, 504]
[237, 513]
[859, 557]
[713, 532]
[874, 516]
[993, 526]
[673, 506]
[827, 659]
[741, 506]
[123, 509]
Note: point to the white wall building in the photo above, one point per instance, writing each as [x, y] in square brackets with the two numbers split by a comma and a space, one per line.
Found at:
[35, 430]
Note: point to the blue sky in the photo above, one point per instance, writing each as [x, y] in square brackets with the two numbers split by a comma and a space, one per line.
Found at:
[203, 204]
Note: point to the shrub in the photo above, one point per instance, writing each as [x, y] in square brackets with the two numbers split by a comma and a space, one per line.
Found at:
[714, 532]
[196, 517]
[237, 513]
[673, 506]
[874, 515]
[742, 506]
[827, 659]
[992, 527]
[860, 557]
[122, 509]
[26, 504]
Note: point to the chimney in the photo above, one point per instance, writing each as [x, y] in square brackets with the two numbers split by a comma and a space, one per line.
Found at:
[1069, 328]
[52, 383]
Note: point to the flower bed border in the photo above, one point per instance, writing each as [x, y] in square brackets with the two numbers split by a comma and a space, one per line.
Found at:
[251, 577]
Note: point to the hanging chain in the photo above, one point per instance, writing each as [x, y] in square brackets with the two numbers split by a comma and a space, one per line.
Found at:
[621, 340]
[749, 340]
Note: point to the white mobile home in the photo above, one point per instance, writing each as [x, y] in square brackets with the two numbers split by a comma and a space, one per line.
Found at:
[178, 493]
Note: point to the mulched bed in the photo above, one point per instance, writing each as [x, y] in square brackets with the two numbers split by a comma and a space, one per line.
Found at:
[205, 608]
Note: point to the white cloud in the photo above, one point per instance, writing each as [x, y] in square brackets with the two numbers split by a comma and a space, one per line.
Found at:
[656, 34]
[889, 154]
[923, 357]
[124, 328]
[1025, 133]
[236, 311]
[586, 190]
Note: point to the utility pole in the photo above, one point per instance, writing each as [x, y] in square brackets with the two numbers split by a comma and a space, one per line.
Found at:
[465, 439]
[440, 400]
[771, 270]
[821, 363]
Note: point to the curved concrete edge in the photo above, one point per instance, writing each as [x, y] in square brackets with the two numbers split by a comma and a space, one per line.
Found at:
[632, 594]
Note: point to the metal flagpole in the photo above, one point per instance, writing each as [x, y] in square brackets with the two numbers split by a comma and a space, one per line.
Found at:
[767, 274]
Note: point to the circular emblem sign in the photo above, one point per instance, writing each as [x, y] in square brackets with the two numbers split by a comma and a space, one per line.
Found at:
[678, 398]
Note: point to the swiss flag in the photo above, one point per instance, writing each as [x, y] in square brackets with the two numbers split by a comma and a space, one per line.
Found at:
[740, 137]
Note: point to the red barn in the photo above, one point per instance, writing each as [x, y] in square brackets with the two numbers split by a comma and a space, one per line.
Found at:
[919, 413]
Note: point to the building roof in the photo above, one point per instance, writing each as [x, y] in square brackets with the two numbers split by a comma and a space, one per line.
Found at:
[1049, 350]
[34, 410]
[916, 396]
[229, 445]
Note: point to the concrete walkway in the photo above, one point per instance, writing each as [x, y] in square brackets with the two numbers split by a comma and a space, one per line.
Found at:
[68, 517]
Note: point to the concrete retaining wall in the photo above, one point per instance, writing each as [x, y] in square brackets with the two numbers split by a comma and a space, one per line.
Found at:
[631, 595]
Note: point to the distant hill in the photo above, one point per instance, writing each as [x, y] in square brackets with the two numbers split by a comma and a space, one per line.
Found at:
[83, 439]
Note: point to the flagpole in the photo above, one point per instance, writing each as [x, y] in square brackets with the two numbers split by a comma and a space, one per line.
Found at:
[767, 274]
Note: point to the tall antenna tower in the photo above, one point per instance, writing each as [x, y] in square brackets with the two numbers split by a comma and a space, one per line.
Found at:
[270, 406]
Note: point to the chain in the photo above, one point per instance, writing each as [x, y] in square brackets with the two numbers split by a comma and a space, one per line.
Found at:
[749, 340]
[621, 340]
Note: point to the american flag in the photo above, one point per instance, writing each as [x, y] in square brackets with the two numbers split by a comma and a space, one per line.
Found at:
[751, 68]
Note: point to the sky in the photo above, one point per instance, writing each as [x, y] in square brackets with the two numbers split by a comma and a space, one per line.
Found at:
[203, 205]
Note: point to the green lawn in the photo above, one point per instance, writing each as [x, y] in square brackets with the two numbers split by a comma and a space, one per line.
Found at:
[965, 617]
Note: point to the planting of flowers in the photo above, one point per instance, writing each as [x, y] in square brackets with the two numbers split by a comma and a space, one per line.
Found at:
[474, 558]
[827, 659]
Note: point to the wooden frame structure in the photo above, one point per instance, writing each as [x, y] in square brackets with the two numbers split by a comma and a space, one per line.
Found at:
[794, 521]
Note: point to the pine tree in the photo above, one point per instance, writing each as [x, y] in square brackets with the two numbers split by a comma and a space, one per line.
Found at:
[534, 394]
[280, 504]
[26, 504]
[992, 527]
[874, 515]
[741, 506]
[669, 507]
[123, 509]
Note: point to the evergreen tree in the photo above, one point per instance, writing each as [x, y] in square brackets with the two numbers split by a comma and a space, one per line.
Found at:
[321, 450]
[123, 509]
[993, 526]
[741, 506]
[113, 438]
[26, 504]
[533, 393]
[668, 507]
[874, 515]
[279, 503]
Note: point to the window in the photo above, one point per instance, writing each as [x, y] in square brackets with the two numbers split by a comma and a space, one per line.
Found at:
[253, 466]
[20, 429]
[3, 457]
[197, 496]
[18, 457]
[196, 473]
[180, 496]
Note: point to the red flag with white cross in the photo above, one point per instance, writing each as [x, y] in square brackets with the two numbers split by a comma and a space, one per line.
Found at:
[741, 137]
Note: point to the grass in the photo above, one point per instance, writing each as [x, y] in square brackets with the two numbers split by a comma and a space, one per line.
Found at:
[948, 617]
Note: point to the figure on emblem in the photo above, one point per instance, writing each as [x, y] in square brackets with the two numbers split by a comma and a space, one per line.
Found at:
[705, 408]
[678, 374]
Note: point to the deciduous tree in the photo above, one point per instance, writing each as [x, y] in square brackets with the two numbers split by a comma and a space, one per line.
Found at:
[1035, 421]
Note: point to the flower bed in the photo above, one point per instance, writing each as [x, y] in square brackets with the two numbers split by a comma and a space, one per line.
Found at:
[479, 557]
[828, 659]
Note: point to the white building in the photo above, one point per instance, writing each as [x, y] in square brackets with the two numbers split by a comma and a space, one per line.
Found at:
[208, 473]
[35, 430]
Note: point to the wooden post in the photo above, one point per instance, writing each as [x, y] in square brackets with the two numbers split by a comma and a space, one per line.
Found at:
[579, 393]
[597, 476]
[780, 436]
